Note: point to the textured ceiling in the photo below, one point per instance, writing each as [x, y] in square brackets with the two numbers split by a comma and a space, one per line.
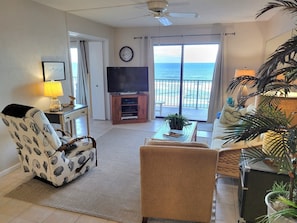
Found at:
[134, 13]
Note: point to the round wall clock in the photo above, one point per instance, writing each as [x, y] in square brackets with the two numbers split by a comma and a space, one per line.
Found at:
[126, 54]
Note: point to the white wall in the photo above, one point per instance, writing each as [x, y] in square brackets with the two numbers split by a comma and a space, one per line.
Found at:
[279, 24]
[30, 33]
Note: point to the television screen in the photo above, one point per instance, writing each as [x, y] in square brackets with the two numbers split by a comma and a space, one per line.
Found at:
[127, 79]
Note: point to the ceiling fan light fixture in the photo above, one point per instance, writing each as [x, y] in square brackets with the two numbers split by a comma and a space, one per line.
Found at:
[158, 6]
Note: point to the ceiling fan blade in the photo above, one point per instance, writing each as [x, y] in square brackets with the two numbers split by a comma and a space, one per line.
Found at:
[108, 7]
[164, 21]
[183, 14]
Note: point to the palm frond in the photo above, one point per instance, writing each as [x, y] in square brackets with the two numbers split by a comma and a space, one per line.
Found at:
[288, 6]
[253, 125]
[254, 155]
[284, 54]
[242, 80]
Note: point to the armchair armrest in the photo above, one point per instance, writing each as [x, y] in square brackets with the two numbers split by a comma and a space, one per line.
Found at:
[69, 145]
[64, 133]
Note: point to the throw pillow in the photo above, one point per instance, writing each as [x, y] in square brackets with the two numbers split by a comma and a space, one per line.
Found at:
[251, 108]
[271, 141]
[231, 115]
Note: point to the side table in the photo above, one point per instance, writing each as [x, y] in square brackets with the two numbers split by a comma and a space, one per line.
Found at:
[68, 116]
[255, 180]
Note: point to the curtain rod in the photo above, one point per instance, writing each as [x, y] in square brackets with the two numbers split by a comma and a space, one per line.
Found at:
[215, 34]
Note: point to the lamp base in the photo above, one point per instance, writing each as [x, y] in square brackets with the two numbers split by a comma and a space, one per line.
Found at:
[55, 105]
[241, 97]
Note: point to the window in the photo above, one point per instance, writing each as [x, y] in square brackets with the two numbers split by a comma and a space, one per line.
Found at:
[74, 68]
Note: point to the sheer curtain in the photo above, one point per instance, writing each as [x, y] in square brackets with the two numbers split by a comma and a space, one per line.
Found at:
[147, 59]
[82, 93]
[216, 96]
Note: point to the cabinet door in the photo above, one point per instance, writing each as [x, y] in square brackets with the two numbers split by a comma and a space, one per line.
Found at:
[255, 180]
[142, 107]
[116, 109]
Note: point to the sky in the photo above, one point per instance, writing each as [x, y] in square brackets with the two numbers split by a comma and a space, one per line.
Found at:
[192, 53]
[73, 52]
[171, 54]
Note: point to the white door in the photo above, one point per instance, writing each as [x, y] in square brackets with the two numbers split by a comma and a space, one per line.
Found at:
[97, 80]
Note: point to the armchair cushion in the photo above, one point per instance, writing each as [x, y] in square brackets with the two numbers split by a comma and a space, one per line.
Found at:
[177, 182]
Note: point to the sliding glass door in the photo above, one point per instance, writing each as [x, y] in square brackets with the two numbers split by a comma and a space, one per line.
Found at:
[183, 78]
[167, 69]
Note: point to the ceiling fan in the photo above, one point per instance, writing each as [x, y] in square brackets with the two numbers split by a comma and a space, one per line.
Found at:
[158, 8]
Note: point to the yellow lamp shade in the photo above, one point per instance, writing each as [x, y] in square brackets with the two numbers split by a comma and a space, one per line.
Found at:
[244, 72]
[53, 89]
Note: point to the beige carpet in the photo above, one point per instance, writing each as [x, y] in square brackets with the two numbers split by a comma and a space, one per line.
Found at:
[110, 191]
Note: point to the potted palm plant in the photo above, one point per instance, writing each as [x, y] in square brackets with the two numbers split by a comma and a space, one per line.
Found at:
[277, 74]
[176, 121]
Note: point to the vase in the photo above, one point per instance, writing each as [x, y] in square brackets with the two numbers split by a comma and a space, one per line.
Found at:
[271, 210]
[175, 127]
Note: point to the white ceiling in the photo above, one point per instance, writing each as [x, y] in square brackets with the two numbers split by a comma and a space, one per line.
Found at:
[134, 13]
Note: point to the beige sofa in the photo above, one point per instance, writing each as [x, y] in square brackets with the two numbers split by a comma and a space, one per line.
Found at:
[229, 153]
[177, 181]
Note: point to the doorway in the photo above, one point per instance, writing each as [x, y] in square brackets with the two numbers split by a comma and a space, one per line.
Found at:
[183, 79]
[97, 58]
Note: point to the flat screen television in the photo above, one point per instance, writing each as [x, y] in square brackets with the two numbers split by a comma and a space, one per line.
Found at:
[127, 79]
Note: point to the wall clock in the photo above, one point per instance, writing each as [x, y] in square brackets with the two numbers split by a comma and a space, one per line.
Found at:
[126, 53]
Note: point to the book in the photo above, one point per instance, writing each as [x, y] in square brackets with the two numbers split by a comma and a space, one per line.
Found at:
[173, 134]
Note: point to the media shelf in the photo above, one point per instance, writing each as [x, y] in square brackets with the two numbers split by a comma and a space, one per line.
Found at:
[129, 108]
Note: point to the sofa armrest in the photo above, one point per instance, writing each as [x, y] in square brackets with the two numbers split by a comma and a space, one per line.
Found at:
[248, 146]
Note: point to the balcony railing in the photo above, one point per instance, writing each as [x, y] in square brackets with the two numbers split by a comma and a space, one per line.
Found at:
[196, 93]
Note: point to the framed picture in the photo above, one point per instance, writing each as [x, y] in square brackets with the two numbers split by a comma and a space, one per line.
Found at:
[53, 70]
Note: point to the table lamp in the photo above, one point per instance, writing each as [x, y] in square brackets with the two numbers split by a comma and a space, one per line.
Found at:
[243, 91]
[53, 89]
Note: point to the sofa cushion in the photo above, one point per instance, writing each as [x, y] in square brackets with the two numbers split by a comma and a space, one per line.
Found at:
[219, 129]
[175, 143]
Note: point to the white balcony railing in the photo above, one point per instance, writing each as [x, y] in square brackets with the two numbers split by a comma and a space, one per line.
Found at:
[196, 93]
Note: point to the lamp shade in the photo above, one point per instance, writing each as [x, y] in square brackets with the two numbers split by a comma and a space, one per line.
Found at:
[53, 89]
[244, 72]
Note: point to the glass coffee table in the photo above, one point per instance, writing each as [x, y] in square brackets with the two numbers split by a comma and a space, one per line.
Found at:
[187, 134]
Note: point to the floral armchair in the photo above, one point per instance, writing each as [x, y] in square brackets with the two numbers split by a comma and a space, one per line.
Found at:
[42, 152]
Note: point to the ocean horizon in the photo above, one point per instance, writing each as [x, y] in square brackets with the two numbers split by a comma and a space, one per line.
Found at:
[191, 71]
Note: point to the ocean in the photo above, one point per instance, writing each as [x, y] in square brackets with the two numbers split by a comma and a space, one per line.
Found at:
[191, 71]
[196, 84]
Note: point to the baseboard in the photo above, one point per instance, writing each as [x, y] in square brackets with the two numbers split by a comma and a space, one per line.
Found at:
[9, 170]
